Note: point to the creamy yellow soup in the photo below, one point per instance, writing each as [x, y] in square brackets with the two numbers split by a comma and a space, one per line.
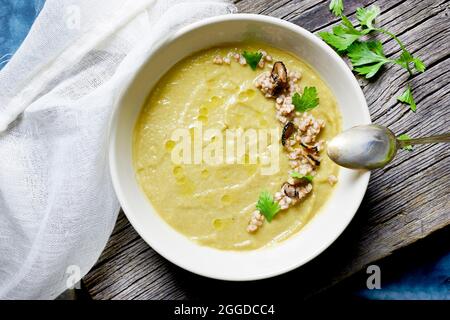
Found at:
[212, 203]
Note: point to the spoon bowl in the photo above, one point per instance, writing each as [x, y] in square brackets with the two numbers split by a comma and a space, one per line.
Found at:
[372, 146]
[363, 147]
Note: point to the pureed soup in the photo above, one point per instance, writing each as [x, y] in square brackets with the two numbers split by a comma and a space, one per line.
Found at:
[229, 146]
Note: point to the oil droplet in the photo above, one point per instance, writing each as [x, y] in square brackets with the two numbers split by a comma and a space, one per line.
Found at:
[263, 123]
[246, 95]
[214, 101]
[203, 119]
[178, 172]
[170, 144]
[205, 173]
[218, 224]
[226, 198]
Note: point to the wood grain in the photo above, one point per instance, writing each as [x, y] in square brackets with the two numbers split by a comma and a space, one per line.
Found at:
[405, 202]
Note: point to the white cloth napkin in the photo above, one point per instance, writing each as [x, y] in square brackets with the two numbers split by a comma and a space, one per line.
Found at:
[57, 204]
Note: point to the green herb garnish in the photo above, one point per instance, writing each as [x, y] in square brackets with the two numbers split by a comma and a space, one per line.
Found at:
[337, 7]
[297, 175]
[403, 137]
[252, 58]
[406, 59]
[343, 35]
[368, 57]
[366, 16]
[407, 98]
[307, 101]
[267, 206]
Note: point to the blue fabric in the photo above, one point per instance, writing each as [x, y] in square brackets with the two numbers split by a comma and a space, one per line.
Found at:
[16, 18]
[425, 278]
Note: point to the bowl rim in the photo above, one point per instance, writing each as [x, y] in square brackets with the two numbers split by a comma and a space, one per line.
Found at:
[113, 129]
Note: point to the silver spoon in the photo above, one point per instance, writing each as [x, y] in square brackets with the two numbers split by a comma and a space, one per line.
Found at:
[371, 146]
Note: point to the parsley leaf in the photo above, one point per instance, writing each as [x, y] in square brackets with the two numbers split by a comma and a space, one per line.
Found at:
[404, 137]
[252, 58]
[408, 98]
[368, 57]
[267, 206]
[366, 16]
[419, 65]
[337, 7]
[297, 175]
[406, 59]
[346, 22]
[343, 35]
[307, 101]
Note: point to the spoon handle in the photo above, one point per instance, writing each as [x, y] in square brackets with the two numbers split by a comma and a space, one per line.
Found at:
[433, 139]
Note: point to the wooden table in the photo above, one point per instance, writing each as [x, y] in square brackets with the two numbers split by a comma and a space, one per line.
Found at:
[406, 201]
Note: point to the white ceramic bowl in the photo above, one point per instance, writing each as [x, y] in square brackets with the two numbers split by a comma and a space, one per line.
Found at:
[319, 233]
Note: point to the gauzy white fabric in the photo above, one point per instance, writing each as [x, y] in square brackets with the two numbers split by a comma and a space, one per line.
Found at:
[57, 204]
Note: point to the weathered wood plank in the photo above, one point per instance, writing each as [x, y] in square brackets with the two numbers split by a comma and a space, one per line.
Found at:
[406, 201]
